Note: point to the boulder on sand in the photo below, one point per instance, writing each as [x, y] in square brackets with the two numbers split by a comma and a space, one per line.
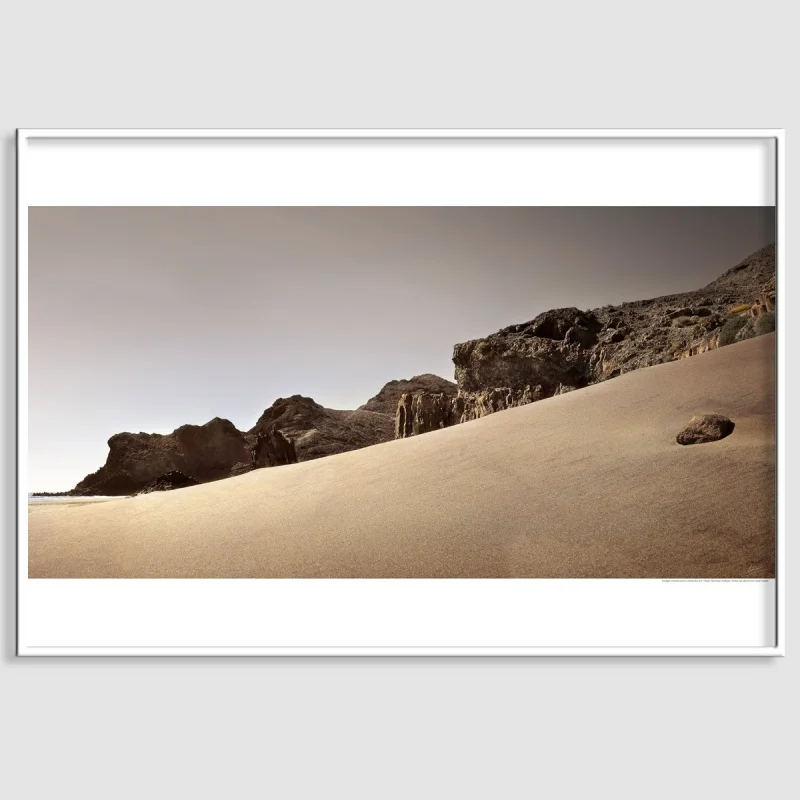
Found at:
[705, 428]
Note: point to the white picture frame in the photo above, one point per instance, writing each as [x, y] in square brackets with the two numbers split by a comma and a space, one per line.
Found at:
[318, 617]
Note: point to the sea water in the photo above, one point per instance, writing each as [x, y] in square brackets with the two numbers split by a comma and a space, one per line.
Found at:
[37, 498]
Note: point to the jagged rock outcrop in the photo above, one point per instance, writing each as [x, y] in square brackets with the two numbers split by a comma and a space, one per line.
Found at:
[518, 360]
[703, 346]
[514, 367]
[475, 405]
[165, 483]
[422, 412]
[318, 431]
[200, 452]
[273, 449]
[203, 452]
[292, 429]
[385, 402]
[566, 348]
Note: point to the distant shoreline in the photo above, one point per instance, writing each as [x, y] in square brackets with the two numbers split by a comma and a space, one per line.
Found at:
[65, 497]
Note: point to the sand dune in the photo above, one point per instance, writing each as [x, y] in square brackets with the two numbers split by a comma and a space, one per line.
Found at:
[587, 484]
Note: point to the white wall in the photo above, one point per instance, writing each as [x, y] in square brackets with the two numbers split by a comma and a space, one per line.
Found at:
[392, 728]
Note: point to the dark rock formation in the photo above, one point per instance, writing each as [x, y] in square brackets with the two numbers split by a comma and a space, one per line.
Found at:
[705, 428]
[517, 362]
[292, 429]
[423, 412]
[385, 402]
[567, 349]
[201, 452]
[511, 368]
[169, 481]
[273, 449]
[319, 431]
[554, 324]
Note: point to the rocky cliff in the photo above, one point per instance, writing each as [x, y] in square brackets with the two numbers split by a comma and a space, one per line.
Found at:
[292, 429]
[566, 348]
[318, 431]
[385, 402]
[272, 449]
[201, 453]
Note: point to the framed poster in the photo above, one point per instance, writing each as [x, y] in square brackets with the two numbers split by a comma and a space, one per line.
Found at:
[400, 392]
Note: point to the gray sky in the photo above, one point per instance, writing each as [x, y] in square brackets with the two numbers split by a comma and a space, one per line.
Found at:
[144, 319]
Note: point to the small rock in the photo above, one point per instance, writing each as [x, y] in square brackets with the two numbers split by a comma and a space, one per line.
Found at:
[705, 428]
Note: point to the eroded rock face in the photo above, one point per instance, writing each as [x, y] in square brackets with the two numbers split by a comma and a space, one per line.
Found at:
[612, 340]
[705, 428]
[202, 452]
[318, 431]
[423, 412]
[554, 324]
[703, 346]
[567, 349]
[516, 361]
[273, 449]
[385, 402]
[292, 429]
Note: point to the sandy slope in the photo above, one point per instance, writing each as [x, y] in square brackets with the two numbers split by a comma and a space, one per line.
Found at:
[588, 484]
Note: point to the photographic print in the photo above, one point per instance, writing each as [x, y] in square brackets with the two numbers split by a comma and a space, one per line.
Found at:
[307, 394]
[402, 392]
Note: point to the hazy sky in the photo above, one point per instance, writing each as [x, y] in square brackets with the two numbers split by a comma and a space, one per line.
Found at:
[143, 319]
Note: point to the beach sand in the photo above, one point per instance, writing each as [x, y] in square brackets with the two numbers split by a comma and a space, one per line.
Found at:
[590, 484]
